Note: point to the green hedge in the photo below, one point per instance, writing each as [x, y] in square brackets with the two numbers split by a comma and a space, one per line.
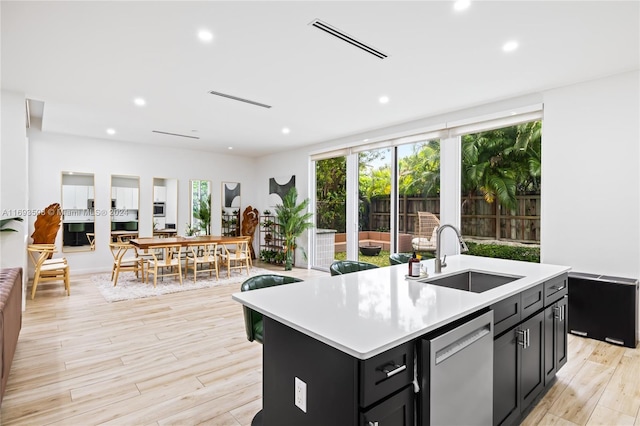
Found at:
[527, 254]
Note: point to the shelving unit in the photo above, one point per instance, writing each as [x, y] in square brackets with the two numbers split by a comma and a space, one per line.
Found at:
[231, 225]
[271, 244]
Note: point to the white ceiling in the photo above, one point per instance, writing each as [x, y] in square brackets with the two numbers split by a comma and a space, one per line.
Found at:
[88, 60]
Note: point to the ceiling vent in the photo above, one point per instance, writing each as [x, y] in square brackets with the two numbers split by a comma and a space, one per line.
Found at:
[235, 98]
[175, 134]
[346, 37]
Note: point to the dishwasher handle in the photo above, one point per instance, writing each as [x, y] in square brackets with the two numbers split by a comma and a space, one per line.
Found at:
[456, 340]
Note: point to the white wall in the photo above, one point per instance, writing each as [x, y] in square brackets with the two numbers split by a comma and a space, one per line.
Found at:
[591, 182]
[50, 154]
[13, 180]
[293, 162]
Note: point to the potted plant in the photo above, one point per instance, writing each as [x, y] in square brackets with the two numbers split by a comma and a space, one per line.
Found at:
[202, 213]
[293, 220]
[189, 231]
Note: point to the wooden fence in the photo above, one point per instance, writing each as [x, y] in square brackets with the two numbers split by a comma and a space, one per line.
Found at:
[479, 219]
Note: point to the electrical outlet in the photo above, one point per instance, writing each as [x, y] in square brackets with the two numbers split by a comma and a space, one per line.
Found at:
[300, 394]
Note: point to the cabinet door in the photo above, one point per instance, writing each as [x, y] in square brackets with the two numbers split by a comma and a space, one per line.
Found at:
[395, 411]
[550, 324]
[532, 359]
[506, 385]
[561, 330]
[69, 197]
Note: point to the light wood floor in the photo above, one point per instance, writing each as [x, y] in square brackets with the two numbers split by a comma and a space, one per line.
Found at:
[184, 359]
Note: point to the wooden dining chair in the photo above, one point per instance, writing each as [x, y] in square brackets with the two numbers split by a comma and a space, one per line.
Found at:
[165, 262]
[91, 236]
[205, 255]
[47, 268]
[236, 255]
[125, 258]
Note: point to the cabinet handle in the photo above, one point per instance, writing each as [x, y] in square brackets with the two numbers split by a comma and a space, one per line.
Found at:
[557, 312]
[528, 336]
[522, 342]
[562, 311]
[372, 424]
[392, 369]
[555, 287]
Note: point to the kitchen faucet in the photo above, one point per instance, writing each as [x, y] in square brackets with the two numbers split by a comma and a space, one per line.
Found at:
[440, 263]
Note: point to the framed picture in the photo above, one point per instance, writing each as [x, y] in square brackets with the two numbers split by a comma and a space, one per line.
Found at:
[278, 188]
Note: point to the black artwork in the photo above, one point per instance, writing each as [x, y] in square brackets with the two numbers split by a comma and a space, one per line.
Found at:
[277, 191]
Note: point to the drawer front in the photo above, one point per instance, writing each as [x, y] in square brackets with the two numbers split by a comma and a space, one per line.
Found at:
[384, 374]
[532, 300]
[395, 411]
[506, 314]
[555, 289]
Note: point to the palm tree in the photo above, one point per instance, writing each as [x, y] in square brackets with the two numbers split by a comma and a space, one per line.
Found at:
[292, 221]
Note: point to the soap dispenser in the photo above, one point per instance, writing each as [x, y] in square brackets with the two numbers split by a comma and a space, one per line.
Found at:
[414, 266]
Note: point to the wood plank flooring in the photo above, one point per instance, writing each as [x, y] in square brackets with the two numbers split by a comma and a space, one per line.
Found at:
[183, 359]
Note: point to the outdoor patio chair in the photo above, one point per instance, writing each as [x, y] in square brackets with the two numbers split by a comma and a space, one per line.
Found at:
[425, 241]
[341, 267]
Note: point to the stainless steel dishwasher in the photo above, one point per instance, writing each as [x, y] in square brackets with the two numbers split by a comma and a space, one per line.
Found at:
[456, 370]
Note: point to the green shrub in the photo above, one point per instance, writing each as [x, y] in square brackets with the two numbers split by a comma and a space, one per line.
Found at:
[527, 254]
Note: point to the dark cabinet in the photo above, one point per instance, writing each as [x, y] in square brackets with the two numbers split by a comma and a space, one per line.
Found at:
[394, 411]
[518, 375]
[340, 389]
[555, 338]
[506, 370]
[531, 335]
[604, 308]
[529, 348]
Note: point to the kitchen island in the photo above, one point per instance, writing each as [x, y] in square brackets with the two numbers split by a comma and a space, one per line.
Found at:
[361, 318]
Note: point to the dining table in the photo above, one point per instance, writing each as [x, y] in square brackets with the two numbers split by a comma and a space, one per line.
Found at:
[146, 243]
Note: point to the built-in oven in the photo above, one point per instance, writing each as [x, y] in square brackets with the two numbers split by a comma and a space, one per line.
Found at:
[158, 209]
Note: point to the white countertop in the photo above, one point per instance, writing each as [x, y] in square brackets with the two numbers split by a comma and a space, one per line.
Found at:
[366, 313]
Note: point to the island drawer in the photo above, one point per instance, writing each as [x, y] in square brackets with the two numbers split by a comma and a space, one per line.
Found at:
[555, 289]
[532, 300]
[506, 314]
[384, 374]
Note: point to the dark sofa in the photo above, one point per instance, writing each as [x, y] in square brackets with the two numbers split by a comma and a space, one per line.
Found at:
[10, 320]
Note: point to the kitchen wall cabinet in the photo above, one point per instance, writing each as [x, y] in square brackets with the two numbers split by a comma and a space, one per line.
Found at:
[160, 194]
[75, 197]
[126, 198]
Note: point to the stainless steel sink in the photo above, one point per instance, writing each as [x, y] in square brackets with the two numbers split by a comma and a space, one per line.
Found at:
[474, 281]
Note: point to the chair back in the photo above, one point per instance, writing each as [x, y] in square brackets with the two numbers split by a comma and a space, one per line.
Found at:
[253, 319]
[427, 223]
[399, 258]
[169, 254]
[341, 267]
[38, 253]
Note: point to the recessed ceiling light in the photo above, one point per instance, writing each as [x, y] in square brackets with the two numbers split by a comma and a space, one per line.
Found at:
[286, 130]
[111, 131]
[383, 99]
[365, 140]
[205, 36]
[139, 101]
[461, 5]
[510, 46]
[230, 147]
